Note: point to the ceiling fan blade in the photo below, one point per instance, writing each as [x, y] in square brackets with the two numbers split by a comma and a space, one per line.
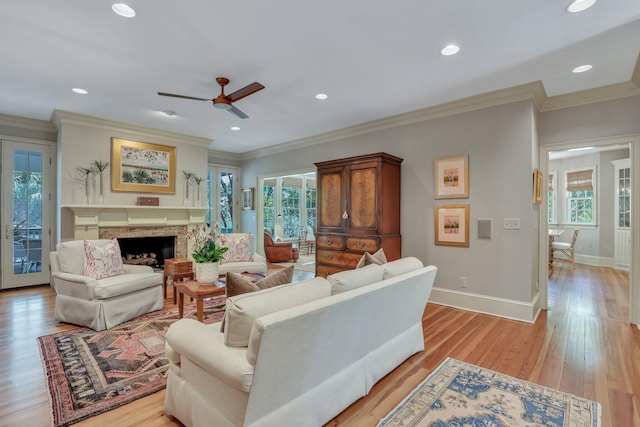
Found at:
[182, 96]
[245, 91]
[237, 112]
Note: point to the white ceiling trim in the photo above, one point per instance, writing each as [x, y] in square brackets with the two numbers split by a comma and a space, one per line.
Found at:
[26, 123]
[59, 117]
[604, 93]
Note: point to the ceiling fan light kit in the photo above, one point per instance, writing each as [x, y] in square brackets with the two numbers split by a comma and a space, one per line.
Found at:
[222, 101]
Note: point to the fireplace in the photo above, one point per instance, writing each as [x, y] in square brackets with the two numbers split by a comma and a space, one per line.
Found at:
[151, 251]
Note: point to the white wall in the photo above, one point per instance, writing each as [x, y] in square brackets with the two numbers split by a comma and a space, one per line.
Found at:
[499, 142]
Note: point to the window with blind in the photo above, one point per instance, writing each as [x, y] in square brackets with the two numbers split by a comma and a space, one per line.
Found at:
[552, 199]
[581, 201]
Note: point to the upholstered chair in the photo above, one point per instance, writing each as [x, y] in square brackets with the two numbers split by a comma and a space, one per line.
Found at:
[279, 251]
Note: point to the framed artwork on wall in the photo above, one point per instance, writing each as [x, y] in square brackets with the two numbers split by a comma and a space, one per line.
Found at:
[142, 167]
[452, 225]
[537, 186]
[451, 177]
[247, 199]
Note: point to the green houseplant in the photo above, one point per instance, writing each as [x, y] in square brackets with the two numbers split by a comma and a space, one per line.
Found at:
[206, 253]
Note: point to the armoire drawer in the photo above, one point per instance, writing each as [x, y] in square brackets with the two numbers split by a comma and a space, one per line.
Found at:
[363, 244]
[340, 258]
[330, 241]
[326, 270]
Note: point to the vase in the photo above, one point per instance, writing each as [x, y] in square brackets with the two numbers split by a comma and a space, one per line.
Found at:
[207, 272]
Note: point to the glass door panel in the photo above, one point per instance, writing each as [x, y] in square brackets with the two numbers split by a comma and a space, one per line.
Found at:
[25, 214]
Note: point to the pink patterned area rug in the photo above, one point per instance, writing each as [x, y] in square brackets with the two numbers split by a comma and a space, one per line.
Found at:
[89, 372]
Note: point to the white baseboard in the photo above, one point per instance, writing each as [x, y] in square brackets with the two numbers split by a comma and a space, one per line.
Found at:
[501, 307]
[597, 261]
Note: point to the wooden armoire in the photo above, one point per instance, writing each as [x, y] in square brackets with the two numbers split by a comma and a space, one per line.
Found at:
[358, 202]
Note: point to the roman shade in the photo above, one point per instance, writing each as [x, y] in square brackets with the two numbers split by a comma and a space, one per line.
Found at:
[580, 180]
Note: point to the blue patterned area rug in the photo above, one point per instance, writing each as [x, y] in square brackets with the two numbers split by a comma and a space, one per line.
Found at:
[459, 394]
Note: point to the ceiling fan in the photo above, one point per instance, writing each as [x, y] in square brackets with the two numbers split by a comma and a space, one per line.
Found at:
[223, 101]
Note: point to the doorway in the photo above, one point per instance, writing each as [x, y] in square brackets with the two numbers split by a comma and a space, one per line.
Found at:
[559, 210]
[26, 213]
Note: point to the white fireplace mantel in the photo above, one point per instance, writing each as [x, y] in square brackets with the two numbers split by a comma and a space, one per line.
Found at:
[87, 219]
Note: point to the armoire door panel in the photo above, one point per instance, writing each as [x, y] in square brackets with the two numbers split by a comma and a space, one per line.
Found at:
[363, 210]
[330, 193]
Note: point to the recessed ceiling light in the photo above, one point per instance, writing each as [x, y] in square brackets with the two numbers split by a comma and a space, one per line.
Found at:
[322, 96]
[580, 5]
[169, 113]
[449, 50]
[235, 128]
[123, 10]
[80, 91]
[582, 68]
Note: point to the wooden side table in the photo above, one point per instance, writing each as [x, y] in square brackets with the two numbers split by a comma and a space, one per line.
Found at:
[198, 292]
[177, 269]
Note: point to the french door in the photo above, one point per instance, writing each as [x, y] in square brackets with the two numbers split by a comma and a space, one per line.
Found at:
[622, 236]
[223, 199]
[25, 212]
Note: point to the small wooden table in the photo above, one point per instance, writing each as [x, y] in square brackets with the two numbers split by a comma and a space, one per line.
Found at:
[199, 292]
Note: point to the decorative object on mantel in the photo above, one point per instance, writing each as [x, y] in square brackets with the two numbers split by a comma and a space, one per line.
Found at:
[100, 167]
[198, 180]
[148, 201]
[88, 174]
[207, 253]
[188, 177]
[142, 167]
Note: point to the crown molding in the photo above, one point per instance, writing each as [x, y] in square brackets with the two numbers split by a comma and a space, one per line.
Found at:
[26, 123]
[599, 94]
[225, 155]
[60, 117]
[533, 91]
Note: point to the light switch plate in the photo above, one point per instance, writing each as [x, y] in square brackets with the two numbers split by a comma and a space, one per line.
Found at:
[511, 223]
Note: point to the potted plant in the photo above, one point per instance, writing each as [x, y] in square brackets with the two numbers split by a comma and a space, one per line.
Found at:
[206, 254]
[100, 167]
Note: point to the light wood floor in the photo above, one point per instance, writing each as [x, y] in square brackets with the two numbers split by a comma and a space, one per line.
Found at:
[581, 345]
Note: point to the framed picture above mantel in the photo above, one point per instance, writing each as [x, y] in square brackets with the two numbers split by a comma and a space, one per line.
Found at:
[142, 167]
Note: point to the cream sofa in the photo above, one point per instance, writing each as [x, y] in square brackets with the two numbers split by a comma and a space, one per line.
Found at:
[297, 354]
[100, 304]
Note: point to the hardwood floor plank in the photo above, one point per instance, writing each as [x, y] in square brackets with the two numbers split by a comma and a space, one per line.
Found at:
[582, 345]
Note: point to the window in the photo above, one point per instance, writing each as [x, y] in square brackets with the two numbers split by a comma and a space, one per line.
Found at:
[289, 203]
[581, 196]
[221, 193]
[552, 201]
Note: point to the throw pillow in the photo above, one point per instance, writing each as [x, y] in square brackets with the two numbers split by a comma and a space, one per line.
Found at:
[243, 309]
[239, 249]
[102, 262]
[377, 258]
[236, 284]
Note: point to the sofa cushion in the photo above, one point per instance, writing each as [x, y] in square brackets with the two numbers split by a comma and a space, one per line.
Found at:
[401, 266]
[71, 255]
[243, 309]
[125, 284]
[101, 262]
[377, 258]
[239, 247]
[352, 279]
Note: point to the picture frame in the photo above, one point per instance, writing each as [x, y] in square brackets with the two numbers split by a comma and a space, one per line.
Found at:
[247, 198]
[451, 177]
[537, 186]
[452, 225]
[142, 167]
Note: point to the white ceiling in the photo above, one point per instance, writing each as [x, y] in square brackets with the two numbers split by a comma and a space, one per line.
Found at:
[373, 58]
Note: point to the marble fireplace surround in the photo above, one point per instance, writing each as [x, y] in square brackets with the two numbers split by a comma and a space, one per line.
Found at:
[106, 222]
